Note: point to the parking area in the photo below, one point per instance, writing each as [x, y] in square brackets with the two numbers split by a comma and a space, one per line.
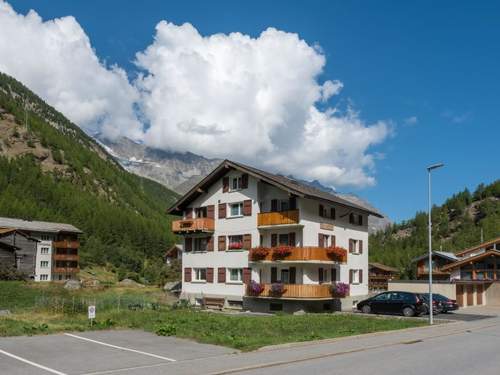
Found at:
[97, 352]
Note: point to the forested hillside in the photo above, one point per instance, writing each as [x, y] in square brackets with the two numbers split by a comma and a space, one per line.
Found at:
[457, 225]
[51, 170]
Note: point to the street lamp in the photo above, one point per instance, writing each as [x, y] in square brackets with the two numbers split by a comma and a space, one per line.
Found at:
[431, 305]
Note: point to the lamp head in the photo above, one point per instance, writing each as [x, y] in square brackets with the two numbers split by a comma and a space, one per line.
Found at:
[435, 166]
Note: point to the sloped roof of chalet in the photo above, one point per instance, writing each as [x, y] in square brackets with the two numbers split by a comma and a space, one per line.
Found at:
[480, 246]
[37, 226]
[282, 182]
[473, 258]
[443, 254]
[383, 267]
[7, 231]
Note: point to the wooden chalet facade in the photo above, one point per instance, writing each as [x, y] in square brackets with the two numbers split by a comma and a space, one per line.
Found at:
[379, 276]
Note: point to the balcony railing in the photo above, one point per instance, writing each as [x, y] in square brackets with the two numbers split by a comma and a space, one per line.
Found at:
[297, 254]
[70, 257]
[278, 218]
[66, 269]
[66, 244]
[202, 224]
[307, 291]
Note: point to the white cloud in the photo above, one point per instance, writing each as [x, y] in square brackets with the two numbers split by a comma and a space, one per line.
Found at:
[255, 100]
[55, 59]
[413, 120]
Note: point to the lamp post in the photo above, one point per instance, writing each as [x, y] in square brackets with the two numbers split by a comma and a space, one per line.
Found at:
[431, 305]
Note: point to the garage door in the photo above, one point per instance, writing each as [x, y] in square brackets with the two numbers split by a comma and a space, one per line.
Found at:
[470, 295]
[479, 292]
[460, 295]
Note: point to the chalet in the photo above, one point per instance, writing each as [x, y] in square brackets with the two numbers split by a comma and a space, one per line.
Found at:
[265, 242]
[18, 251]
[173, 253]
[54, 248]
[379, 276]
[439, 260]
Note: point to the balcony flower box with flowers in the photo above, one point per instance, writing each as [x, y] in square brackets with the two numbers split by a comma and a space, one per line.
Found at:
[255, 288]
[281, 252]
[277, 289]
[259, 253]
[337, 253]
[340, 290]
[235, 245]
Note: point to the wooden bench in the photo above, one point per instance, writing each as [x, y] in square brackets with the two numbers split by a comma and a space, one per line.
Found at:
[213, 303]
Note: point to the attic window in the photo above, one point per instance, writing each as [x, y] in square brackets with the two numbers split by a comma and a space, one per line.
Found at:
[236, 183]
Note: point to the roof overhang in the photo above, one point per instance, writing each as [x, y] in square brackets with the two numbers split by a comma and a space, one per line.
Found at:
[472, 259]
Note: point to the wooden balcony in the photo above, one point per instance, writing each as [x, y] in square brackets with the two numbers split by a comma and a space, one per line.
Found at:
[299, 291]
[65, 269]
[66, 244]
[71, 257]
[278, 218]
[301, 254]
[202, 224]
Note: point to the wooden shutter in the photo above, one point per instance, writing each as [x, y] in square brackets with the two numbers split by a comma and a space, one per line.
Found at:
[351, 218]
[360, 246]
[244, 181]
[274, 274]
[210, 275]
[293, 203]
[360, 276]
[333, 241]
[333, 275]
[210, 243]
[222, 243]
[274, 205]
[332, 213]
[320, 210]
[320, 275]
[222, 210]
[188, 244]
[274, 240]
[351, 245]
[291, 239]
[293, 275]
[247, 275]
[350, 276]
[360, 219]
[247, 241]
[211, 211]
[187, 274]
[221, 275]
[189, 213]
[225, 184]
[321, 240]
[247, 207]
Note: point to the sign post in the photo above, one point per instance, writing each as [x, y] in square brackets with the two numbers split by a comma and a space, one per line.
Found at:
[91, 313]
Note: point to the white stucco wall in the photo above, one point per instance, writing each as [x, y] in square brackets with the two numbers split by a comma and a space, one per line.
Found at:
[43, 257]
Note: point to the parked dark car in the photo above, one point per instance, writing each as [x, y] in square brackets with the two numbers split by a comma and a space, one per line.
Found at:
[436, 303]
[446, 304]
[406, 303]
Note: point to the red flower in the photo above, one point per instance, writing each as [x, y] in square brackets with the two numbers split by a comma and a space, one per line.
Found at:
[337, 252]
[281, 252]
[259, 253]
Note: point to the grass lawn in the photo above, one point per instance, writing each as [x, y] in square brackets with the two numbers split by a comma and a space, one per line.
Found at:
[236, 331]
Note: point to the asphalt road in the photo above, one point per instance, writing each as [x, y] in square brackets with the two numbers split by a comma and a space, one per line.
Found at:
[462, 347]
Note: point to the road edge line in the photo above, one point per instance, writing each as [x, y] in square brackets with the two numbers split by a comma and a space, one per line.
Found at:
[34, 364]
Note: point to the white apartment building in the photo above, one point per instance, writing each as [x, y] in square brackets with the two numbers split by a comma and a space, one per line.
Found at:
[56, 255]
[265, 242]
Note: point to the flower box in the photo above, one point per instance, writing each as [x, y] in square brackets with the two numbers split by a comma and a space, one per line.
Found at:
[340, 290]
[280, 252]
[259, 253]
[255, 288]
[277, 289]
[337, 253]
[235, 246]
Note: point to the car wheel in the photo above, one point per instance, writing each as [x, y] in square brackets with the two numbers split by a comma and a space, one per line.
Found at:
[366, 309]
[408, 311]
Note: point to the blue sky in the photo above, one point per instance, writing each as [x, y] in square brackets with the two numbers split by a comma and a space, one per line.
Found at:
[430, 69]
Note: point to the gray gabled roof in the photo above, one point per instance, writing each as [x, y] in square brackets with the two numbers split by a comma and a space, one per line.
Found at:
[443, 254]
[37, 226]
[285, 183]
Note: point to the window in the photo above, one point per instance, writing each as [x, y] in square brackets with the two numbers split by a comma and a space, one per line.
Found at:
[283, 239]
[44, 277]
[46, 237]
[236, 275]
[235, 242]
[44, 250]
[355, 219]
[355, 276]
[382, 297]
[201, 212]
[236, 209]
[355, 246]
[200, 244]
[236, 183]
[284, 205]
[285, 276]
[200, 274]
[44, 263]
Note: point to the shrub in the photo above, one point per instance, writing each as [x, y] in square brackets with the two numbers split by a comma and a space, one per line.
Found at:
[259, 253]
[255, 288]
[10, 273]
[166, 329]
[340, 290]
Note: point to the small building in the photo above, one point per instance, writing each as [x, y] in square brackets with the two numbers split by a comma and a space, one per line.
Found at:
[18, 250]
[174, 253]
[54, 248]
[439, 260]
[379, 275]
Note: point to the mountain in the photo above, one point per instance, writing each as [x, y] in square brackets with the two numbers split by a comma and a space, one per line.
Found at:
[51, 170]
[375, 224]
[460, 222]
[177, 171]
